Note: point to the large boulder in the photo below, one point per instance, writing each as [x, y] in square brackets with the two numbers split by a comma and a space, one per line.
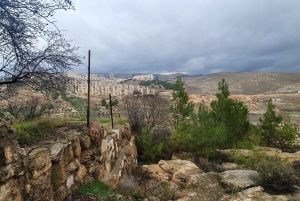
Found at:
[182, 171]
[185, 180]
[237, 180]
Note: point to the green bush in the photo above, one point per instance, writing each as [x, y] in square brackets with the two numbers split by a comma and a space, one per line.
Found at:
[271, 132]
[153, 146]
[103, 102]
[276, 174]
[251, 161]
[55, 95]
[199, 134]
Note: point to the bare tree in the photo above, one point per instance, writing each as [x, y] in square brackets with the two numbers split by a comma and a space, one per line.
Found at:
[147, 111]
[29, 109]
[33, 51]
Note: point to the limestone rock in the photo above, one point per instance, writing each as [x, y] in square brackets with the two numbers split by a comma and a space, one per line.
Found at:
[92, 167]
[155, 172]
[85, 142]
[73, 166]
[10, 170]
[126, 131]
[185, 180]
[291, 157]
[58, 175]
[183, 172]
[174, 166]
[228, 166]
[56, 152]
[236, 180]
[87, 155]
[8, 144]
[68, 153]
[227, 153]
[60, 194]
[76, 147]
[42, 189]
[39, 161]
[9, 191]
[70, 182]
[255, 193]
[96, 132]
[80, 173]
[10, 154]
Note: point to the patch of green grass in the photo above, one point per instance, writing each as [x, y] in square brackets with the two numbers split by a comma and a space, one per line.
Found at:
[122, 121]
[29, 132]
[105, 122]
[96, 188]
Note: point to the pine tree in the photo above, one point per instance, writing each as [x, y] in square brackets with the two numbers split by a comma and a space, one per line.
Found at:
[182, 107]
[232, 113]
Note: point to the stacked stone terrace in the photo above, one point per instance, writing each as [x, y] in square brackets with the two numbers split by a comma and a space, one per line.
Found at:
[54, 170]
[104, 86]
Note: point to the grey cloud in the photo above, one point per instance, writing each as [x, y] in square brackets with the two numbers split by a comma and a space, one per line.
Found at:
[196, 37]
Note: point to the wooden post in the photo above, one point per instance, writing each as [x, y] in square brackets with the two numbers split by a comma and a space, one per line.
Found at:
[111, 113]
[89, 83]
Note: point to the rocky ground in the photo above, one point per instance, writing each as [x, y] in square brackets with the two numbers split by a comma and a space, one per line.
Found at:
[182, 179]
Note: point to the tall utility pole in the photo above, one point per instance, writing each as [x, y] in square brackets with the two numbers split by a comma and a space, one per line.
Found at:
[89, 86]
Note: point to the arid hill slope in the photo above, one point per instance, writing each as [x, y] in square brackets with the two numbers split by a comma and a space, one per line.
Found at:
[244, 83]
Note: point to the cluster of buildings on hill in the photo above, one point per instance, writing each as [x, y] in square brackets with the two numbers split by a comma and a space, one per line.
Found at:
[101, 85]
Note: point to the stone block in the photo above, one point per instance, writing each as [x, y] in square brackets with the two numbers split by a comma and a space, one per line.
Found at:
[76, 147]
[42, 189]
[236, 180]
[68, 153]
[58, 175]
[80, 173]
[56, 151]
[8, 192]
[11, 170]
[73, 166]
[92, 167]
[126, 131]
[60, 194]
[85, 142]
[70, 182]
[87, 155]
[39, 162]
[10, 154]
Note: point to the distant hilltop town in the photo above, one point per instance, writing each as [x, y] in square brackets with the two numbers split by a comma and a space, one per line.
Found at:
[104, 84]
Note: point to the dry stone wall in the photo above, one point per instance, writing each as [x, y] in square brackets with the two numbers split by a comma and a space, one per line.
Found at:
[53, 171]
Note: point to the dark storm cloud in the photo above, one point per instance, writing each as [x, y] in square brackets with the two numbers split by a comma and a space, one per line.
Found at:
[196, 37]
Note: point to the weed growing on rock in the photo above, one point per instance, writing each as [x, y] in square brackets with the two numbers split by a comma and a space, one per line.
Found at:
[96, 188]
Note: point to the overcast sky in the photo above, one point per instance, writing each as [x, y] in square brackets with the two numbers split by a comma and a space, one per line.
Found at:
[191, 36]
